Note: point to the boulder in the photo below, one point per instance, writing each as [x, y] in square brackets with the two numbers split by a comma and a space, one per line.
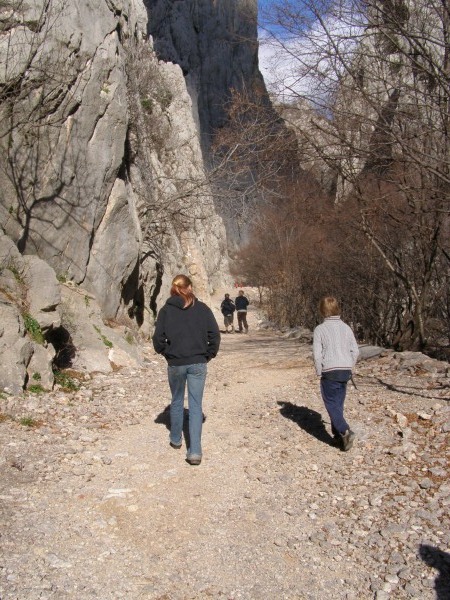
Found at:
[15, 349]
[10, 256]
[299, 333]
[43, 292]
[366, 351]
[40, 367]
[97, 346]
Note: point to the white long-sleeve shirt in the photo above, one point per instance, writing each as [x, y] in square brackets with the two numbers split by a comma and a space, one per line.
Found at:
[334, 346]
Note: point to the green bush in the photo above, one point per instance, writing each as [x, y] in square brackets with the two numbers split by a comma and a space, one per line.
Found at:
[35, 388]
[65, 381]
[147, 104]
[62, 277]
[33, 328]
[28, 422]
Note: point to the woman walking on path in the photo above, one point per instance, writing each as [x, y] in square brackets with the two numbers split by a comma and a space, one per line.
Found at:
[335, 354]
[188, 336]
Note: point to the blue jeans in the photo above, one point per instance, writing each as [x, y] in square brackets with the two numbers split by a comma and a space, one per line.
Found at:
[333, 395]
[195, 377]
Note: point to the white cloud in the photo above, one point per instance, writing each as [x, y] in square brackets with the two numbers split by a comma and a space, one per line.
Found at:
[308, 65]
[280, 65]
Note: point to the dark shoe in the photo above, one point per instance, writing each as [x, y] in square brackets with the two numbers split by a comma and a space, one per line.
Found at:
[194, 459]
[176, 446]
[337, 441]
[347, 439]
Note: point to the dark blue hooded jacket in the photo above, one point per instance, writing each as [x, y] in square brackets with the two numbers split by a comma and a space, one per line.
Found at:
[186, 336]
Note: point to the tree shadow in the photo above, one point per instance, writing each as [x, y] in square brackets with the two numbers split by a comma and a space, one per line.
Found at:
[439, 560]
[309, 420]
[410, 391]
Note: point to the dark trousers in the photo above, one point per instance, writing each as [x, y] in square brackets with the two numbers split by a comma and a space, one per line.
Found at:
[242, 320]
[333, 395]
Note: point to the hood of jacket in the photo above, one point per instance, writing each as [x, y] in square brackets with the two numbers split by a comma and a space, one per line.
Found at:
[176, 301]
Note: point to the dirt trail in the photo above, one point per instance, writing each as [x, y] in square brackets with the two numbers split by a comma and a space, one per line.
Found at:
[95, 504]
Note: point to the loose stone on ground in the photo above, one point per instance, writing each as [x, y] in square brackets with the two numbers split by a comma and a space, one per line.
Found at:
[95, 504]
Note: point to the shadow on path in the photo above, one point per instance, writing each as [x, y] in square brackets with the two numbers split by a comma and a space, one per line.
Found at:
[257, 343]
[164, 418]
[411, 391]
[439, 560]
[309, 420]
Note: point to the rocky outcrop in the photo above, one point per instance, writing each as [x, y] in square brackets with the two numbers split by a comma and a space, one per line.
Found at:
[87, 342]
[104, 195]
[215, 44]
[181, 230]
[29, 299]
[94, 165]
[46, 324]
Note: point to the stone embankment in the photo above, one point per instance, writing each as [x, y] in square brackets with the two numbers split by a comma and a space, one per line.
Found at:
[95, 504]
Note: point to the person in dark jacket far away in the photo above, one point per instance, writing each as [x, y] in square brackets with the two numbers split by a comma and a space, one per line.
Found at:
[241, 304]
[335, 354]
[188, 336]
[227, 308]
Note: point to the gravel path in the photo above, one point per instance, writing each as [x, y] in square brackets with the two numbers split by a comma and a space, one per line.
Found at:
[95, 504]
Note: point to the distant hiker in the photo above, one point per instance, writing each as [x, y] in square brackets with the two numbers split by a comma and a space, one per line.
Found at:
[188, 337]
[335, 353]
[227, 307]
[241, 304]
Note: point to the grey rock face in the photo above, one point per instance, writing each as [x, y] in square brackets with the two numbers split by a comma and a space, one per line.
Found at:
[43, 294]
[115, 249]
[65, 139]
[42, 321]
[215, 45]
[64, 195]
[28, 290]
[181, 231]
[83, 183]
[15, 350]
[96, 347]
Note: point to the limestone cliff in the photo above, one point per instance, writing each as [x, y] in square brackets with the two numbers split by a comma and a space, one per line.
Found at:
[215, 44]
[101, 169]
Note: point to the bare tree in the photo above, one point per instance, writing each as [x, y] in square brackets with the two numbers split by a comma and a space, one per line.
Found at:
[377, 76]
[252, 155]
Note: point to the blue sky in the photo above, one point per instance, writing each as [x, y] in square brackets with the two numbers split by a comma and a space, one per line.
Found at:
[268, 64]
[264, 7]
[300, 62]
[264, 51]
